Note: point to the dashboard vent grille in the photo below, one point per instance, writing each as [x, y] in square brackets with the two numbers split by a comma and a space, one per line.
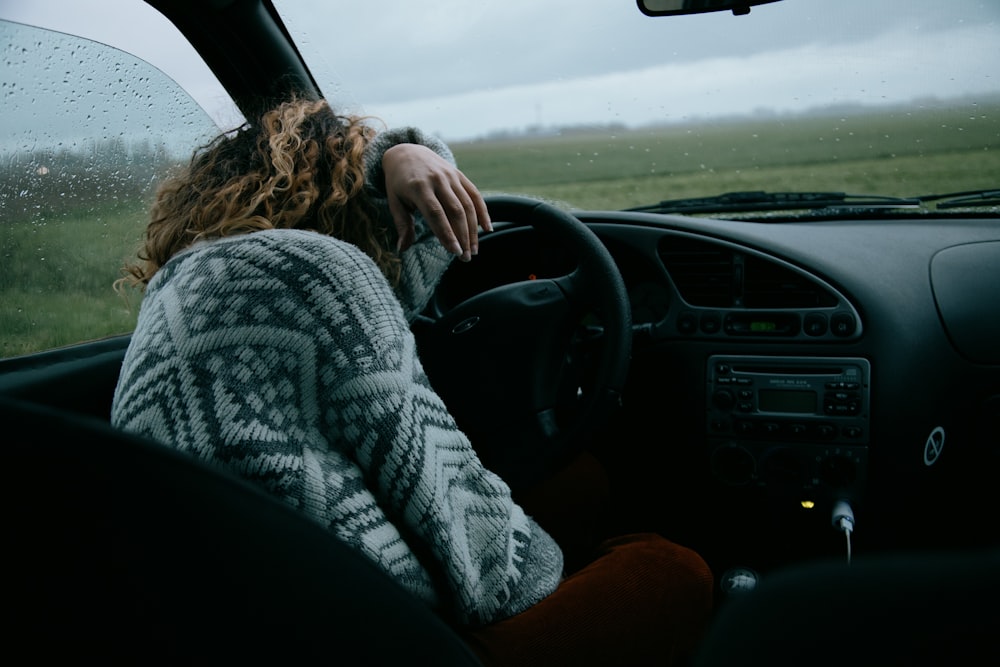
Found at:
[770, 285]
[702, 272]
[717, 276]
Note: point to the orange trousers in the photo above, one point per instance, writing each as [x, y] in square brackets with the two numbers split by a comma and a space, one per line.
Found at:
[635, 600]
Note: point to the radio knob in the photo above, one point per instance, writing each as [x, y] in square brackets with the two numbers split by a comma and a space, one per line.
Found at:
[723, 399]
[838, 471]
[782, 467]
[733, 465]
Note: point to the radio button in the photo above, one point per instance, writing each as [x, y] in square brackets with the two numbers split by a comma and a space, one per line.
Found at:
[711, 323]
[815, 324]
[723, 399]
[826, 431]
[850, 386]
[843, 324]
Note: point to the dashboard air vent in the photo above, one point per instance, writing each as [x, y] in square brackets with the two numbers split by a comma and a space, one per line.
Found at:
[717, 276]
[771, 285]
[702, 272]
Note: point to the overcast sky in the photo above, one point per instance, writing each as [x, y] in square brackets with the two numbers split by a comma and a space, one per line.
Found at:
[518, 62]
[462, 69]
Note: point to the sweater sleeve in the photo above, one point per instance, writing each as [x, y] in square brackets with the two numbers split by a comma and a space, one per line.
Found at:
[425, 262]
[383, 141]
[496, 561]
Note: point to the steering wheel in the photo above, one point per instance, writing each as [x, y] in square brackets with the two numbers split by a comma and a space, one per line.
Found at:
[530, 368]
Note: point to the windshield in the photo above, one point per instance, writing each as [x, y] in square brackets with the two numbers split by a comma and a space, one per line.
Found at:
[597, 106]
[590, 105]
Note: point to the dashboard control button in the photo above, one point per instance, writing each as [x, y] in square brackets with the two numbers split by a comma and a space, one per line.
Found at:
[826, 431]
[687, 323]
[838, 471]
[815, 324]
[843, 324]
[711, 323]
[723, 399]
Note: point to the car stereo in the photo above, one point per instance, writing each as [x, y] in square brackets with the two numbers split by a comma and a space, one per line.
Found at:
[795, 420]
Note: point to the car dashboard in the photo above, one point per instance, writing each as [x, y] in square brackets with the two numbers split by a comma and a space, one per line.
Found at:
[780, 368]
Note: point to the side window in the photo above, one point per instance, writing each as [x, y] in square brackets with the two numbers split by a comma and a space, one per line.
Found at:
[88, 132]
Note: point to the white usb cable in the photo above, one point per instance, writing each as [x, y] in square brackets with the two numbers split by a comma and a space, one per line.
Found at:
[843, 519]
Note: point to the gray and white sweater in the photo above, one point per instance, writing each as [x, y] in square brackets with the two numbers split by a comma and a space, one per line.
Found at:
[286, 356]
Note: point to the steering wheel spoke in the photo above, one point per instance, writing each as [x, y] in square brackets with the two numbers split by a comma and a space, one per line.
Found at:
[524, 367]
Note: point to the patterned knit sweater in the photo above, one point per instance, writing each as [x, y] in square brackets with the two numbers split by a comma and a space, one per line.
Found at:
[286, 356]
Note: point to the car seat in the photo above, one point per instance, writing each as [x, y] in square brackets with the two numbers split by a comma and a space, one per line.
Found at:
[900, 609]
[119, 547]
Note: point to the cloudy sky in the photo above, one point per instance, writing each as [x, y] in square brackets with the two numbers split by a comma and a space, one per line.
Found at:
[463, 69]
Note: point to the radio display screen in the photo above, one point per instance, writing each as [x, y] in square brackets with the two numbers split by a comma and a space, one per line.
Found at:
[785, 400]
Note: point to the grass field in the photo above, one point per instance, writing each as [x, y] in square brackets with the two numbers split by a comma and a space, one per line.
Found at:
[57, 275]
[885, 153]
[58, 265]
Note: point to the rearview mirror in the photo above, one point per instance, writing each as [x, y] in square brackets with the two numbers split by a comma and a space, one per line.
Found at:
[676, 7]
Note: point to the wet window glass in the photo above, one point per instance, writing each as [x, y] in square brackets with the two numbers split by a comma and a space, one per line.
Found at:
[88, 132]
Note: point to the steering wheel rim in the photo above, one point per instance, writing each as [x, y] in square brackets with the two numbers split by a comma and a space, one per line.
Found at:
[531, 331]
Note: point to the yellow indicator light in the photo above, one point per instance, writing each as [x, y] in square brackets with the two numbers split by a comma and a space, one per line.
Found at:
[808, 504]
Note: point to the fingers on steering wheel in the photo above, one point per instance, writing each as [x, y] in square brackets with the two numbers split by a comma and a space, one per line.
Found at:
[455, 214]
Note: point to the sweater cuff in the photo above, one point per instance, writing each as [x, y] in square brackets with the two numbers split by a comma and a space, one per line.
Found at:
[542, 572]
[383, 141]
[426, 260]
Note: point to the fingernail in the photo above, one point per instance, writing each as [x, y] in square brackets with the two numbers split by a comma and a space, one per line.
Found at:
[455, 248]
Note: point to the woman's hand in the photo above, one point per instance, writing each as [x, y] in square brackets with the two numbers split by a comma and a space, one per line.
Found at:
[418, 179]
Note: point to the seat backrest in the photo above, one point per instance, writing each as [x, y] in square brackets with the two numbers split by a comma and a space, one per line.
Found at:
[900, 609]
[117, 546]
[77, 378]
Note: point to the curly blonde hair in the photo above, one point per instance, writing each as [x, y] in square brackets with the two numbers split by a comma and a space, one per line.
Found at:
[299, 166]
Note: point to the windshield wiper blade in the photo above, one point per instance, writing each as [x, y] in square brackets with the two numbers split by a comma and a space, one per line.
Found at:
[965, 199]
[745, 202]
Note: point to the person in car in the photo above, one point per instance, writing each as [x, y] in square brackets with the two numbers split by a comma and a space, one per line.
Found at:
[281, 270]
